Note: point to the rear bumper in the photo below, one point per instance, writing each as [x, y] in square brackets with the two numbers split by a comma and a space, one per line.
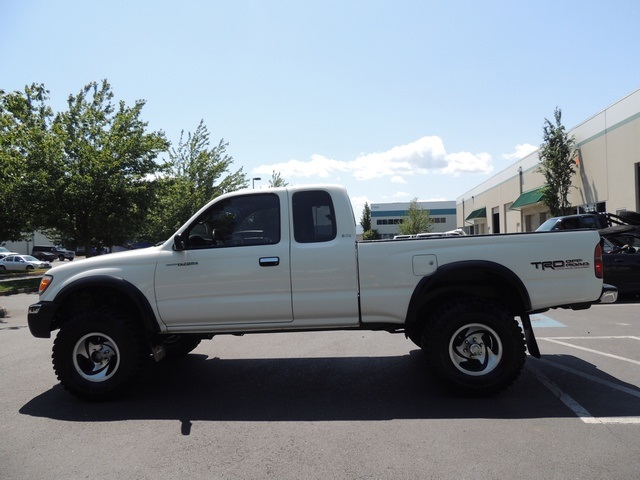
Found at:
[40, 318]
[609, 294]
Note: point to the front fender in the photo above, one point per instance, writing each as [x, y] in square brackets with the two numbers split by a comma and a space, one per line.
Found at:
[98, 287]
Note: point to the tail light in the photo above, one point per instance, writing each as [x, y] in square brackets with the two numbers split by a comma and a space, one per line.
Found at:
[598, 263]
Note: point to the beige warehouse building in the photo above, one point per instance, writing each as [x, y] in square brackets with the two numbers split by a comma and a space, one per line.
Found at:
[607, 177]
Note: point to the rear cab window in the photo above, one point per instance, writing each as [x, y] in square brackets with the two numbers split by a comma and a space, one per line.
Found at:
[314, 218]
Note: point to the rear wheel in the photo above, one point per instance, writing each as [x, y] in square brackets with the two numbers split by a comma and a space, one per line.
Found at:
[97, 355]
[474, 346]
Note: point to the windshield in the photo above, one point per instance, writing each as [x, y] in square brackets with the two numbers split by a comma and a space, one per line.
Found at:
[548, 225]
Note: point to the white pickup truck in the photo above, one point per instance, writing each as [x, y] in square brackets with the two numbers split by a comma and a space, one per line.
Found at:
[287, 259]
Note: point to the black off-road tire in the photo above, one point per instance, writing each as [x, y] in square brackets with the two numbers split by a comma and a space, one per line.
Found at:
[474, 346]
[98, 355]
[177, 346]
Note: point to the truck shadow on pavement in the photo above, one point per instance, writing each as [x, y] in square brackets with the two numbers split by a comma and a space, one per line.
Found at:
[200, 388]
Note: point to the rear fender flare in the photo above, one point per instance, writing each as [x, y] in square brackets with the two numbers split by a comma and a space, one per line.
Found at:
[462, 278]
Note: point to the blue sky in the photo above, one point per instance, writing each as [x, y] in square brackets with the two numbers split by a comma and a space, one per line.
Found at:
[394, 99]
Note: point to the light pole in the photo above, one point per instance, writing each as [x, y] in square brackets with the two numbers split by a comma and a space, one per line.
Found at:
[253, 185]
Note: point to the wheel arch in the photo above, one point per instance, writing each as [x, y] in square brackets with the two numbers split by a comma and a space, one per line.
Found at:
[477, 278]
[105, 290]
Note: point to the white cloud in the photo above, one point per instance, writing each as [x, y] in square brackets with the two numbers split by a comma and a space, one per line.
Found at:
[319, 166]
[402, 196]
[420, 156]
[465, 162]
[522, 150]
[425, 155]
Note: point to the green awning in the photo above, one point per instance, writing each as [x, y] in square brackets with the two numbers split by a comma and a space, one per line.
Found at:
[479, 213]
[528, 198]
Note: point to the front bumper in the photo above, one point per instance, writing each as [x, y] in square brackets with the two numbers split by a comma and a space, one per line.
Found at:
[40, 318]
[609, 294]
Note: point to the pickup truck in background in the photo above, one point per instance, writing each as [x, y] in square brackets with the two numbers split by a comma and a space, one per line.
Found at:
[287, 259]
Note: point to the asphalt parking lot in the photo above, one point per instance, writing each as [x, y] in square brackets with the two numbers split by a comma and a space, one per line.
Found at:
[353, 405]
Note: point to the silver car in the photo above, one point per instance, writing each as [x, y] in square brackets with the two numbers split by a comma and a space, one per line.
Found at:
[22, 262]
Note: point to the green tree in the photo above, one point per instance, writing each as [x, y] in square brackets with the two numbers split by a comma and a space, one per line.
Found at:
[197, 173]
[557, 165]
[28, 149]
[277, 180]
[417, 220]
[365, 222]
[370, 235]
[103, 181]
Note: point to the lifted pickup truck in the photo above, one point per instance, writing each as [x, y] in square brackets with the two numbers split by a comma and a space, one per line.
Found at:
[287, 259]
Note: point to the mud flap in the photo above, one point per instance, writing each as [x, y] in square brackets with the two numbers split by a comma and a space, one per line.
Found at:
[532, 345]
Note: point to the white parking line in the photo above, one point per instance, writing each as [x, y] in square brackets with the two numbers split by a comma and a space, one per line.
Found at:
[565, 398]
[615, 386]
[597, 352]
[575, 407]
[591, 337]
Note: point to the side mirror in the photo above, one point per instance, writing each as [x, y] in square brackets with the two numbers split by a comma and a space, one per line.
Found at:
[179, 243]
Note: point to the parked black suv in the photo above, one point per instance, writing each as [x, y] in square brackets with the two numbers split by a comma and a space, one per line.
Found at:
[50, 253]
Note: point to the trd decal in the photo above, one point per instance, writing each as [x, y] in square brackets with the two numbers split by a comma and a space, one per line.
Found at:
[561, 264]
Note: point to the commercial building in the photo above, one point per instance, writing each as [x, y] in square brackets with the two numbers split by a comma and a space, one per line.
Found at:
[607, 176]
[386, 217]
[25, 247]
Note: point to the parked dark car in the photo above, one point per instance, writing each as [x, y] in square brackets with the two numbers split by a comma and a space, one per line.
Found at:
[574, 222]
[43, 255]
[621, 255]
[50, 252]
[593, 221]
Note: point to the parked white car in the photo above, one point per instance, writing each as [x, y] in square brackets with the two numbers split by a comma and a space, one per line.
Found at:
[22, 262]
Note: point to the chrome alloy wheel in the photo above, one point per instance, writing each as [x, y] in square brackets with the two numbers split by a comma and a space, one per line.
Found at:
[96, 357]
[475, 349]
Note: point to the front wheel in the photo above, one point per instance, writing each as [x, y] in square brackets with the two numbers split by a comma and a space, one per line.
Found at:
[474, 346]
[97, 355]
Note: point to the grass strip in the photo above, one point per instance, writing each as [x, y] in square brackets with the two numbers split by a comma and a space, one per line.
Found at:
[15, 285]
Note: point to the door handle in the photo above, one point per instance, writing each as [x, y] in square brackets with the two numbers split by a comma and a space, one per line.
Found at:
[269, 261]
